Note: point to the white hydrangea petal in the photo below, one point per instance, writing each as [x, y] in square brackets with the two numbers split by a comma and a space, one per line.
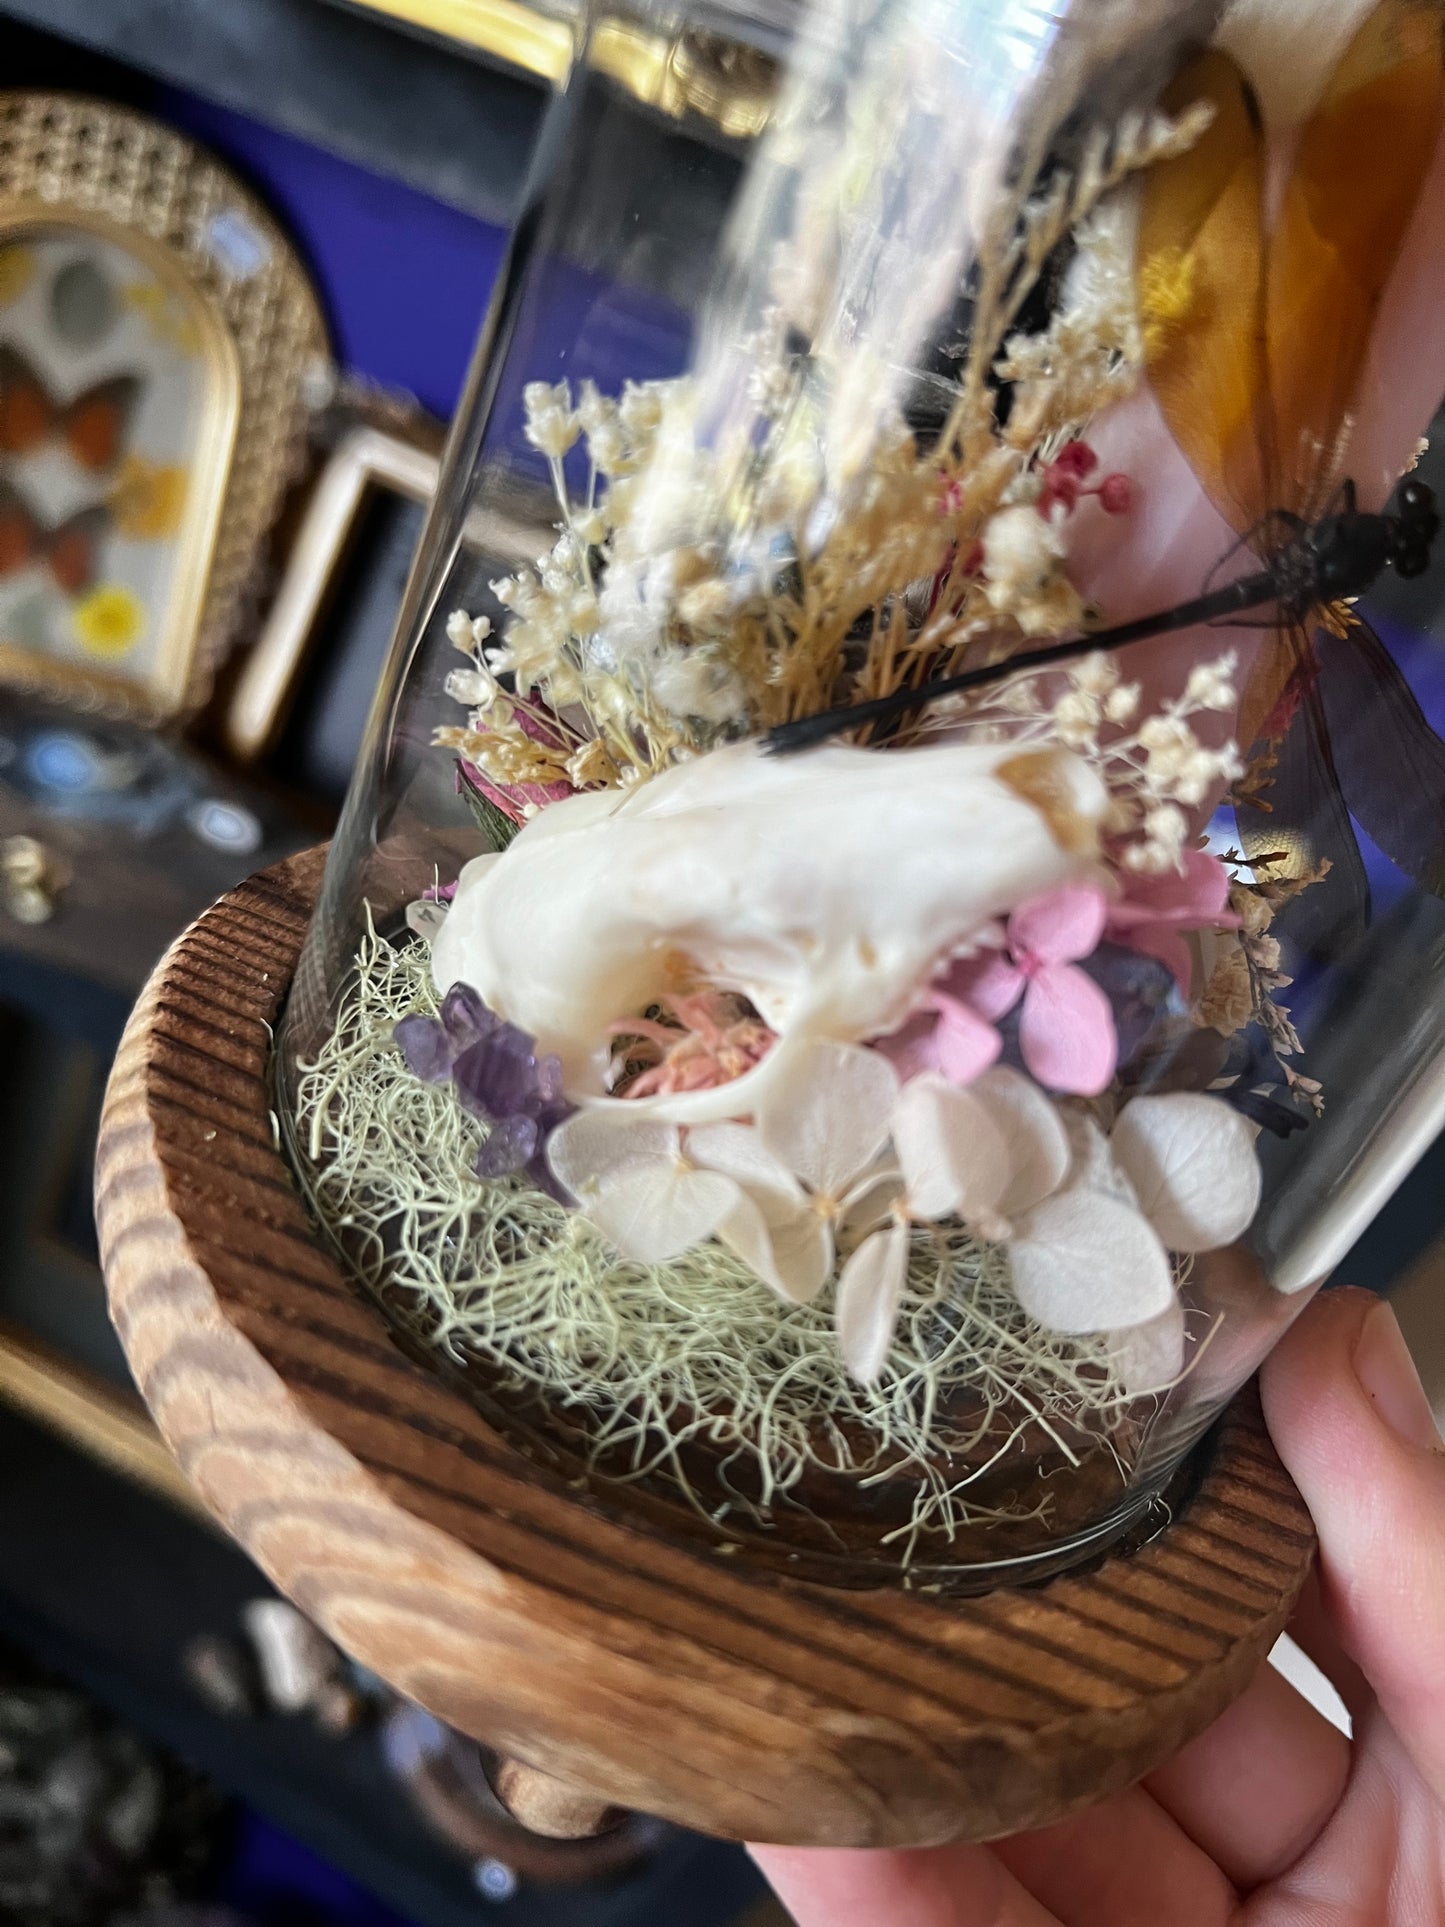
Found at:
[866, 1307]
[1192, 1164]
[1149, 1357]
[873, 1197]
[828, 1120]
[1092, 1165]
[593, 1146]
[738, 1151]
[952, 1153]
[794, 1255]
[657, 1212]
[1086, 1262]
[1038, 1144]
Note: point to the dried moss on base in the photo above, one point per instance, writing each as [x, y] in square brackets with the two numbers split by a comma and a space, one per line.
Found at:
[660, 1363]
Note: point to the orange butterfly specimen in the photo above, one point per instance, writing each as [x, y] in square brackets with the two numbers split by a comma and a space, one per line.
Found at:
[69, 549]
[1256, 336]
[92, 426]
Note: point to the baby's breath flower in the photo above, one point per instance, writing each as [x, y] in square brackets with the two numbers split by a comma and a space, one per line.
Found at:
[582, 614]
[475, 687]
[1121, 705]
[705, 603]
[590, 765]
[1076, 718]
[1166, 825]
[1229, 765]
[640, 408]
[1211, 684]
[1021, 552]
[1146, 859]
[607, 448]
[594, 410]
[1160, 734]
[1196, 775]
[692, 682]
[551, 425]
[1096, 674]
[467, 633]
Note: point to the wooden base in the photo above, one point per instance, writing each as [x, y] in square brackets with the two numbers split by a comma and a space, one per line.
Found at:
[642, 1671]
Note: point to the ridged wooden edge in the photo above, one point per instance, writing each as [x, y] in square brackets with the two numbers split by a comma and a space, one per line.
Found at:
[650, 1673]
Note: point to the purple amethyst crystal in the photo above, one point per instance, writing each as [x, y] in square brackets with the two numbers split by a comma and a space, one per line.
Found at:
[497, 1076]
[510, 1146]
[425, 1048]
[465, 1018]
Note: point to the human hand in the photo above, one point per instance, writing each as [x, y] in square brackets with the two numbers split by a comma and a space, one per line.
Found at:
[1272, 1818]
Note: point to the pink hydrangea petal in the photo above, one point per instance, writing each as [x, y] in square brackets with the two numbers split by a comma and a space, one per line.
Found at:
[1197, 894]
[963, 1044]
[910, 1048]
[989, 985]
[1059, 926]
[1066, 1032]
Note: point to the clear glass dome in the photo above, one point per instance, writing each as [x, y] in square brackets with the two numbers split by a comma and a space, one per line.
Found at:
[873, 1125]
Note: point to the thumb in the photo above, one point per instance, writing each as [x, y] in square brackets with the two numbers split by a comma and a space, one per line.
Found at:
[1351, 1420]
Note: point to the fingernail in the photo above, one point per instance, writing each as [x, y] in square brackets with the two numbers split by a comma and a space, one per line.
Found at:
[1386, 1370]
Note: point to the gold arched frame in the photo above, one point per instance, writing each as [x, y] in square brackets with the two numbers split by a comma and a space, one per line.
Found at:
[212, 448]
[71, 162]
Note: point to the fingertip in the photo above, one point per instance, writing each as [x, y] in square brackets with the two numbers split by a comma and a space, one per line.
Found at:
[1352, 1424]
[1309, 1372]
[1340, 1383]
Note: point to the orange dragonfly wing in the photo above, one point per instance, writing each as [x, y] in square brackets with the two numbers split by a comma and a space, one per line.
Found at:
[1359, 166]
[1201, 291]
[1255, 345]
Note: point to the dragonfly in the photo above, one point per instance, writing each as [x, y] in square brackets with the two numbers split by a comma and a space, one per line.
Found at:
[1259, 339]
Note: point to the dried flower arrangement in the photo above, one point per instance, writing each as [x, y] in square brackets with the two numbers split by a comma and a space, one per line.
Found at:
[834, 1111]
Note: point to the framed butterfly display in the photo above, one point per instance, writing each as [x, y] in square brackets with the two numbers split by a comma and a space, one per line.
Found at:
[159, 340]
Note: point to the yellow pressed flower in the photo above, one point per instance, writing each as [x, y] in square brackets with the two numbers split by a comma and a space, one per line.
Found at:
[148, 298]
[17, 270]
[108, 620]
[148, 498]
[167, 319]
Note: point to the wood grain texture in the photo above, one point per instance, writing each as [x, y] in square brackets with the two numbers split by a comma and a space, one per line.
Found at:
[647, 1672]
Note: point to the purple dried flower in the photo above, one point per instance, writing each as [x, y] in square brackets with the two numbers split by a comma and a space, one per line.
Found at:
[425, 1048]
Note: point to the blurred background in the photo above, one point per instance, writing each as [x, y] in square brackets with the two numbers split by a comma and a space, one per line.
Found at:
[245, 246]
